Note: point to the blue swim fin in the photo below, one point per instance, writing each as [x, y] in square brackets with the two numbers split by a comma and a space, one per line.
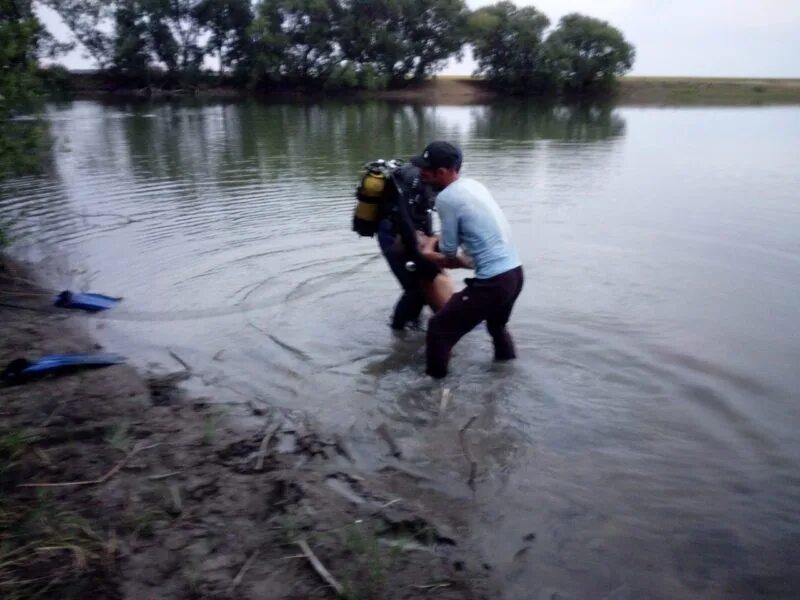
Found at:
[21, 369]
[85, 301]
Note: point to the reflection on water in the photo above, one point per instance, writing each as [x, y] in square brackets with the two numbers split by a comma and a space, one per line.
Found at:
[644, 444]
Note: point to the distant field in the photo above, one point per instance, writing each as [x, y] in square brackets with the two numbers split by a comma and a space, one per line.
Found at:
[708, 90]
[664, 90]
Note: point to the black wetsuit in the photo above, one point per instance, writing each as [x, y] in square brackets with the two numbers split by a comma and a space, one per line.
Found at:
[410, 212]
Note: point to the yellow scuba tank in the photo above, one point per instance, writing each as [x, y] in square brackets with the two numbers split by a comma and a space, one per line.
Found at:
[371, 195]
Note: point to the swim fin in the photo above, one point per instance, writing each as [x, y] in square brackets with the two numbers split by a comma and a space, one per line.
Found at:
[85, 301]
[21, 369]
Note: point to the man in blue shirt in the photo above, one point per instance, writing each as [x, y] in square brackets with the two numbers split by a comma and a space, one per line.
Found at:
[471, 219]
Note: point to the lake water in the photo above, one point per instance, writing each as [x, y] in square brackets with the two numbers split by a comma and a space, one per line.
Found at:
[648, 433]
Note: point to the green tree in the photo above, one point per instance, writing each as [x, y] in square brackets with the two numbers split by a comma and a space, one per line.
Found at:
[588, 54]
[433, 30]
[227, 23]
[130, 44]
[21, 141]
[132, 36]
[507, 43]
[88, 21]
[368, 46]
[174, 34]
[401, 40]
[267, 43]
[309, 29]
[22, 137]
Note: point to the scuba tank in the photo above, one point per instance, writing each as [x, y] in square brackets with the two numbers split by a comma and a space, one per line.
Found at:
[395, 190]
[383, 185]
[373, 195]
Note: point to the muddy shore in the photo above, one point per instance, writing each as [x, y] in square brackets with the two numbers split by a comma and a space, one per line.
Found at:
[116, 484]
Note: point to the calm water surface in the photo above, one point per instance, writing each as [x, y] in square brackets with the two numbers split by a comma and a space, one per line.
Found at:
[648, 434]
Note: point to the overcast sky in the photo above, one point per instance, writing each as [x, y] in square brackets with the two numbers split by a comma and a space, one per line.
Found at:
[735, 38]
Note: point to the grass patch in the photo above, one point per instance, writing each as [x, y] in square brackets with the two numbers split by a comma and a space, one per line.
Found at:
[371, 563]
[211, 423]
[119, 438]
[45, 552]
[14, 445]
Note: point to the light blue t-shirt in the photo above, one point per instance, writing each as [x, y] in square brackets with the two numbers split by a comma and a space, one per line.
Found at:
[472, 219]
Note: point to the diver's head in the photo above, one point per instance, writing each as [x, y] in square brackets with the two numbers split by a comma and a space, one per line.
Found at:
[440, 163]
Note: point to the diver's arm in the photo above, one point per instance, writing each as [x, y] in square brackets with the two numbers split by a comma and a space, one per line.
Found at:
[460, 261]
[425, 269]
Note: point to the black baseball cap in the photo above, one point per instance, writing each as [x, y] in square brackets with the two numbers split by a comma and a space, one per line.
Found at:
[438, 155]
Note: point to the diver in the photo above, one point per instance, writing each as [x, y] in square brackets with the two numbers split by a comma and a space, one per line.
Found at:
[395, 205]
[420, 199]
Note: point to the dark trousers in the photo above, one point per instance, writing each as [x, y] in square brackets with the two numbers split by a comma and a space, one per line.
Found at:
[489, 300]
[411, 302]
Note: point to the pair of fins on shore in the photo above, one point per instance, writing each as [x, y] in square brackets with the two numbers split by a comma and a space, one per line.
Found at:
[21, 370]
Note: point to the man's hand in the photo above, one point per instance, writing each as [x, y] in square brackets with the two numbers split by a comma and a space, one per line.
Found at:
[465, 261]
[428, 250]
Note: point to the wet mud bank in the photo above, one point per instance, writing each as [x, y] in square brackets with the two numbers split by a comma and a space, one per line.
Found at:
[118, 484]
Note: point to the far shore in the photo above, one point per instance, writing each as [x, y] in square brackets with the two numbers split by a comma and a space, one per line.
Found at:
[454, 90]
[708, 90]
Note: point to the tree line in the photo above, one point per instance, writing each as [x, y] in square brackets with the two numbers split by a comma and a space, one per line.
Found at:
[346, 44]
[23, 41]
[317, 44]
